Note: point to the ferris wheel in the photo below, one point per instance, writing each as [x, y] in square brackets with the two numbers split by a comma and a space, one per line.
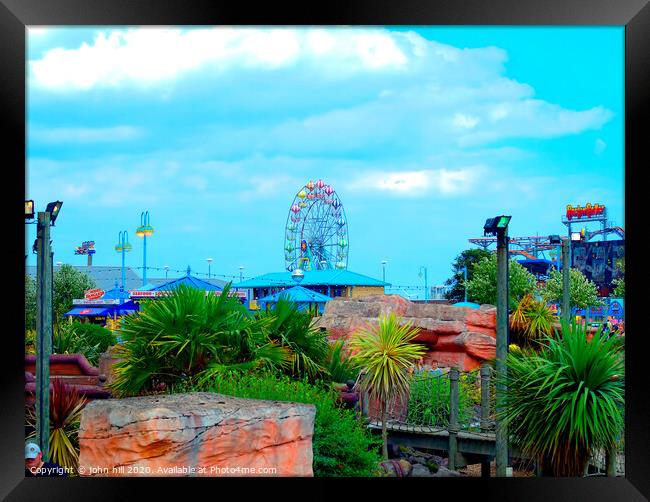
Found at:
[316, 233]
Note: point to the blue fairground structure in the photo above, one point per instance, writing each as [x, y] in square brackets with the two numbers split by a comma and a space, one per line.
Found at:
[613, 312]
[305, 299]
[328, 283]
[102, 307]
[157, 291]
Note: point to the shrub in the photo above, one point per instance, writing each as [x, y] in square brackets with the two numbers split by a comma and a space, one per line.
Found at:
[65, 415]
[340, 365]
[82, 338]
[566, 400]
[429, 399]
[342, 445]
[189, 334]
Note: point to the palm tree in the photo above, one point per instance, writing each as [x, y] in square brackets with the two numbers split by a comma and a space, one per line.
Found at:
[294, 329]
[384, 353]
[188, 334]
[566, 400]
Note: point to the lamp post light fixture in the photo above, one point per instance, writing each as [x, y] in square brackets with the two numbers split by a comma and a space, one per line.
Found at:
[426, 287]
[241, 273]
[123, 246]
[209, 260]
[297, 275]
[166, 267]
[383, 270]
[144, 230]
[499, 226]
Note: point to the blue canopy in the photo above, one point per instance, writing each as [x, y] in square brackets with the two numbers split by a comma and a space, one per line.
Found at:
[467, 304]
[296, 294]
[89, 311]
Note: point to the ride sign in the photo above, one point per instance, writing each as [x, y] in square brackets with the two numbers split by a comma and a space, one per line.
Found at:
[588, 211]
[93, 294]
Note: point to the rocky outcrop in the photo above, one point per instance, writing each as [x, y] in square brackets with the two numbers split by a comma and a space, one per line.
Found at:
[454, 336]
[196, 434]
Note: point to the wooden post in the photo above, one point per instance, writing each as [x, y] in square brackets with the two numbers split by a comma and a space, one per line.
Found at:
[43, 332]
[485, 410]
[453, 417]
[502, 349]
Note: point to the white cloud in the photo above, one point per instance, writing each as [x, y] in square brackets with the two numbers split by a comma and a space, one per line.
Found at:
[420, 183]
[152, 55]
[59, 135]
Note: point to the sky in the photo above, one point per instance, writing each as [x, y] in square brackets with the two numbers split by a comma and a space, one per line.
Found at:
[423, 132]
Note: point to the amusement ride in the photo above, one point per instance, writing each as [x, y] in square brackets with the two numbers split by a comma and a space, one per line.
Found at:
[316, 233]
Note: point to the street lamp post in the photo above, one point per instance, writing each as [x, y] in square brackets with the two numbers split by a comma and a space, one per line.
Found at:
[144, 230]
[499, 226]
[241, 273]
[44, 305]
[383, 270]
[123, 246]
[209, 260]
[166, 267]
[426, 287]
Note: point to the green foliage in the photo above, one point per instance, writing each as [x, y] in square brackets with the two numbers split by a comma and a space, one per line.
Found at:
[582, 292]
[566, 400]
[187, 334]
[531, 322]
[66, 406]
[340, 366]
[30, 303]
[82, 338]
[429, 399]
[342, 445]
[468, 258]
[292, 328]
[482, 288]
[69, 283]
[385, 354]
[30, 342]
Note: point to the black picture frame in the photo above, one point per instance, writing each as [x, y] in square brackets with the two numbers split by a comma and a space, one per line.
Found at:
[15, 15]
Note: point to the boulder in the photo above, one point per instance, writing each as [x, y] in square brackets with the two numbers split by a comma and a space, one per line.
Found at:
[396, 468]
[443, 472]
[453, 336]
[421, 471]
[196, 434]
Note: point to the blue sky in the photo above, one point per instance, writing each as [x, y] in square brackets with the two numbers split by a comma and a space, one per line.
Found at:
[423, 133]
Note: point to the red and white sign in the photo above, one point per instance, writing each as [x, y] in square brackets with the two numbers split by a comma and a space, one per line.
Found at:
[157, 294]
[588, 211]
[85, 311]
[83, 301]
[93, 294]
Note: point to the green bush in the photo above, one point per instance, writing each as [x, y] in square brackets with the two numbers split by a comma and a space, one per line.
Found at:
[82, 338]
[340, 366]
[342, 445]
[429, 399]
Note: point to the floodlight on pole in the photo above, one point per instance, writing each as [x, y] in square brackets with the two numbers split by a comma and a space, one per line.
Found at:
[53, 208]
[29, 209]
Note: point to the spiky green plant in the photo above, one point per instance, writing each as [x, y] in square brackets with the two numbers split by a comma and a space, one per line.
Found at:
[384, 353]
[294, 329]
[66, 405]
[340, 365]
[565, 400]
[188, 334]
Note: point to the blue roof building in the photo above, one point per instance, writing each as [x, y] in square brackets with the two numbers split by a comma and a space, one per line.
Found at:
[330, 283]
[305, 298]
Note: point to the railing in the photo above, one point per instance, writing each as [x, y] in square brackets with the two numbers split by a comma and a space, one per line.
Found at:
[438, 401]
